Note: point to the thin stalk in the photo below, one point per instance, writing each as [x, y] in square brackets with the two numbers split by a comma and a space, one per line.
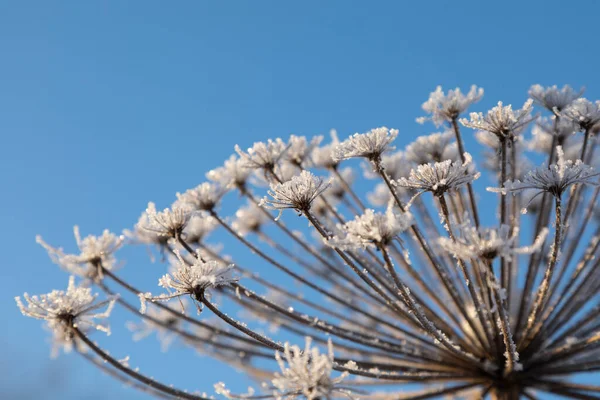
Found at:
[461, 151]
[467, 276]
[544, 285]
[135, 375]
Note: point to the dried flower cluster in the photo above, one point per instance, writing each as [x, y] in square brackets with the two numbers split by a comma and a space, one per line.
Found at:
[421, 287]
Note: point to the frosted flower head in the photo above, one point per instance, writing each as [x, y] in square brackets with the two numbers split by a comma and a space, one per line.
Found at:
[300, 149]
[583, 112]
[501, 120]
[552, 98]
[63, 310]
[196, 278]
[370, 145]
[544, 130]
[307, 373]
[436, 147]
[263, 155]
[321, 156]
[198, 227]
[490, 243]
[249, 219]
[554, 179]
[372, 229]
[439, 178]
[298, 193]
[95, 251]
[204, 197]
[447, 107]
[233, 173]
[166, 223]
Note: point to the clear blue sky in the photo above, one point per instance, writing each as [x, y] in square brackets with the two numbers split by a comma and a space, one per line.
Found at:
[105, 105]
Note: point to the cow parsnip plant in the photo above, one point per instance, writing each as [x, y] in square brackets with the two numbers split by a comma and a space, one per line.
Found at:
[397, 290]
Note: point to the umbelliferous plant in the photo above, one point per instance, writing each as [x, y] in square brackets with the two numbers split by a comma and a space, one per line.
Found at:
[417, 286]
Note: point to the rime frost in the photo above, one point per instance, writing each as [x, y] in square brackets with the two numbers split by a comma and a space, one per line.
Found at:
[446, 107]
[306, 373]
[95, 251]
[62, 310]
[369, 145]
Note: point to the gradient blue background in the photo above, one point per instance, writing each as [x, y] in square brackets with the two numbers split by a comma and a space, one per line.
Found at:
[105, 105]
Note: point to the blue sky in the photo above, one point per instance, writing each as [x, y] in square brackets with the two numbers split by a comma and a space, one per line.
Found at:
[106, 105]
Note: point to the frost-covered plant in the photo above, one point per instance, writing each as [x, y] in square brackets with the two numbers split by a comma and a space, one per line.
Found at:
[484, 302]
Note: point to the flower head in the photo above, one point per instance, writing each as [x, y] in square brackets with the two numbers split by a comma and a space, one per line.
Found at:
[249, 219]
[439, 178]
[198, 227]
[233, 173]
[63, 310]
[262, 155]
[489, 243]
[583, 112]
[195, 278]
[370, 145]
[95, 251]
[321, 156]
[372, 229]
[204, 197]
[552, 98]
[544, 130]
[298, 193]
[166, 223]
[436, 147]
[501, 120]
[554, 179]
[308, 372]
[444, 108]
[300, 149]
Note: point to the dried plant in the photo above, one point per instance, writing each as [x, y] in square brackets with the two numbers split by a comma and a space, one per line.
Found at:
[406, 307]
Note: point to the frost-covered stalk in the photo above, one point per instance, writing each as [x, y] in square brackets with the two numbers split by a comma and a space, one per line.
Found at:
[545, 285]
[462, 151]
[374, 294]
